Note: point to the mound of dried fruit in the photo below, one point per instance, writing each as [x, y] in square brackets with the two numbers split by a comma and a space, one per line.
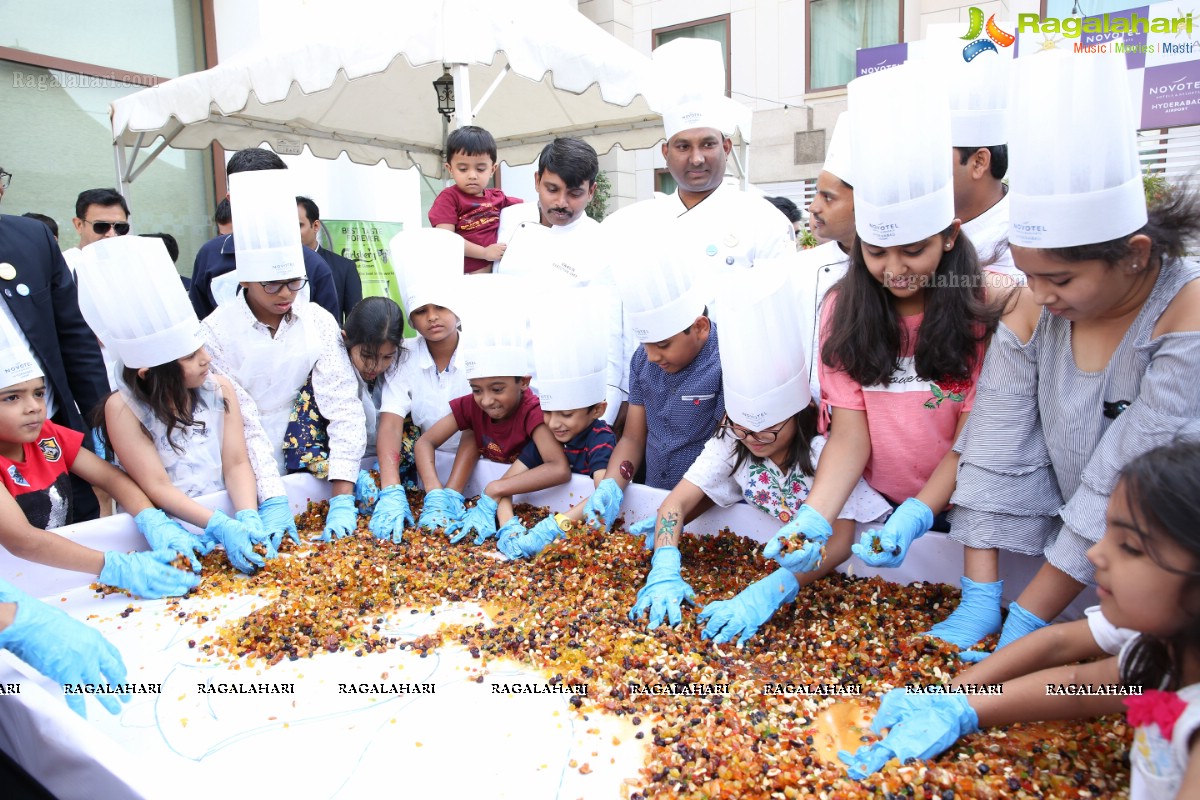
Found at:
[565, 614]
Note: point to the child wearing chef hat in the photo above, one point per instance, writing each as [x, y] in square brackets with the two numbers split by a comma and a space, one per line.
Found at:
[675, 397]
[175, 427]
[498, 419]
[903, 335]
[270, 342]
[37, 458]
[571, 357]
[764, 454]
[1100, 367]
[428, 264]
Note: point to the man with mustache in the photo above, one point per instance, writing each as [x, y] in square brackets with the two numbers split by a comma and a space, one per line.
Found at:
[555, 241]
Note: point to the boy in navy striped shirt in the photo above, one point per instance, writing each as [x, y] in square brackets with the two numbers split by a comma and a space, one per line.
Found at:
[588, 442]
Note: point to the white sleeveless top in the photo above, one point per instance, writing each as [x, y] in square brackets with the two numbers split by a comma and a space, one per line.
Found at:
[195, 468]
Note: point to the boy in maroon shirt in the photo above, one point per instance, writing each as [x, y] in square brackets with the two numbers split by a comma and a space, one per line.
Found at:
[469, 207]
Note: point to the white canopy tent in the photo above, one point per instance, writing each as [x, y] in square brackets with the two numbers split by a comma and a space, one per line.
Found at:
[525, 70]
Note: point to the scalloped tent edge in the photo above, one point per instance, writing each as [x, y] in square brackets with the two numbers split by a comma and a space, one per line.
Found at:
[533, 71]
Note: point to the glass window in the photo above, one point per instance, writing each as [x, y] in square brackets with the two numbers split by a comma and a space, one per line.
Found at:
[837, 28]
[716, 29]
[166, 33]
[73, 151]
[664, 181]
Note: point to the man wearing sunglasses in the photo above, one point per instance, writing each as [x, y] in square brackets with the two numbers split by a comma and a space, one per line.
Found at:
[99, 214]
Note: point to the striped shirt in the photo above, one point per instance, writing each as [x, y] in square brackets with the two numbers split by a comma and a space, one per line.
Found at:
[587, 453]
[1044, 445]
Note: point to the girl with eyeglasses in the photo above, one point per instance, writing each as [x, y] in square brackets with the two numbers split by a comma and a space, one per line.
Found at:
[764, 453]
[272, 345]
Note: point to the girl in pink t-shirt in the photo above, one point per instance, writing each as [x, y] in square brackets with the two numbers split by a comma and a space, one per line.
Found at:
[904, 335]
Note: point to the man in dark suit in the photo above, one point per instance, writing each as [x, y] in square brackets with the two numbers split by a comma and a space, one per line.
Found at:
[345, 271]
[37, 291]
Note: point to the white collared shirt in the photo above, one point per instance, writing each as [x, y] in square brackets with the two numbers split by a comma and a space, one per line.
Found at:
[307, 339]
[418, 388]
[989, 233]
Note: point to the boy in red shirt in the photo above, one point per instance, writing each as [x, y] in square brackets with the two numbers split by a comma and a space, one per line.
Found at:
[469, 207]
[498, 418]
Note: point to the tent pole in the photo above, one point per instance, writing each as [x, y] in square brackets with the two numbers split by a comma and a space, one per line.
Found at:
[487, 95]
[463, 114]
[155, 153]
[119, 158]
[745, 147]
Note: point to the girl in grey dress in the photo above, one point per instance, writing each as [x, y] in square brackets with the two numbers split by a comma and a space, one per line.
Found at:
[1103, 371]
[1099, 368]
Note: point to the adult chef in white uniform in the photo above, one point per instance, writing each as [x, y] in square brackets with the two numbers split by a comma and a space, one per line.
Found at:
[268, 344]
[554, 241]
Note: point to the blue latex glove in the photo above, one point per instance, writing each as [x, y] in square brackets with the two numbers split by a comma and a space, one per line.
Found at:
[665, 591]
[99, 445]
[645, 527]
[1020, 622]
[907, 523]
[977, 614]
[753, 606]
[62, 648]
[147, 574]
[235, 538]
[808, 557]
[164, 533]
[366, 492]
[443, 509]
[604, 504]
[258, 532]
[391, 514]
[277, 518]
[508, 535]
[536, 540]
[342, 519]
[480, 519]
[922, 726]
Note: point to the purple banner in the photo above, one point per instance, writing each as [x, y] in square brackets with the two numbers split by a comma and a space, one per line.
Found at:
[874, 59]
[1171, 95]
[1133, 44]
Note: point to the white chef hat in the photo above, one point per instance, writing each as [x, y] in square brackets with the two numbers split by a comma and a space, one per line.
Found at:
[136, 302]
[979, 99]
[17, 363]
[570, 350]
[1073, 160]
[266, 239]
[838, 159]
[495, 326]
[977, 90]
[428, 264]
[661, 288]
[529, 251]
[903, 188]
[689, 85]
[763, 385]
[698, 111]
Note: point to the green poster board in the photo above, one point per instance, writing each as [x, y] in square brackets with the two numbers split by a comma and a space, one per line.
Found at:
[366, 244]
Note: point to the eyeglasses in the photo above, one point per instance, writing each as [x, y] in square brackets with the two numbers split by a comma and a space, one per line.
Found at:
[762, 437]
[102, 228]
[5, 178]
[275, 287]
